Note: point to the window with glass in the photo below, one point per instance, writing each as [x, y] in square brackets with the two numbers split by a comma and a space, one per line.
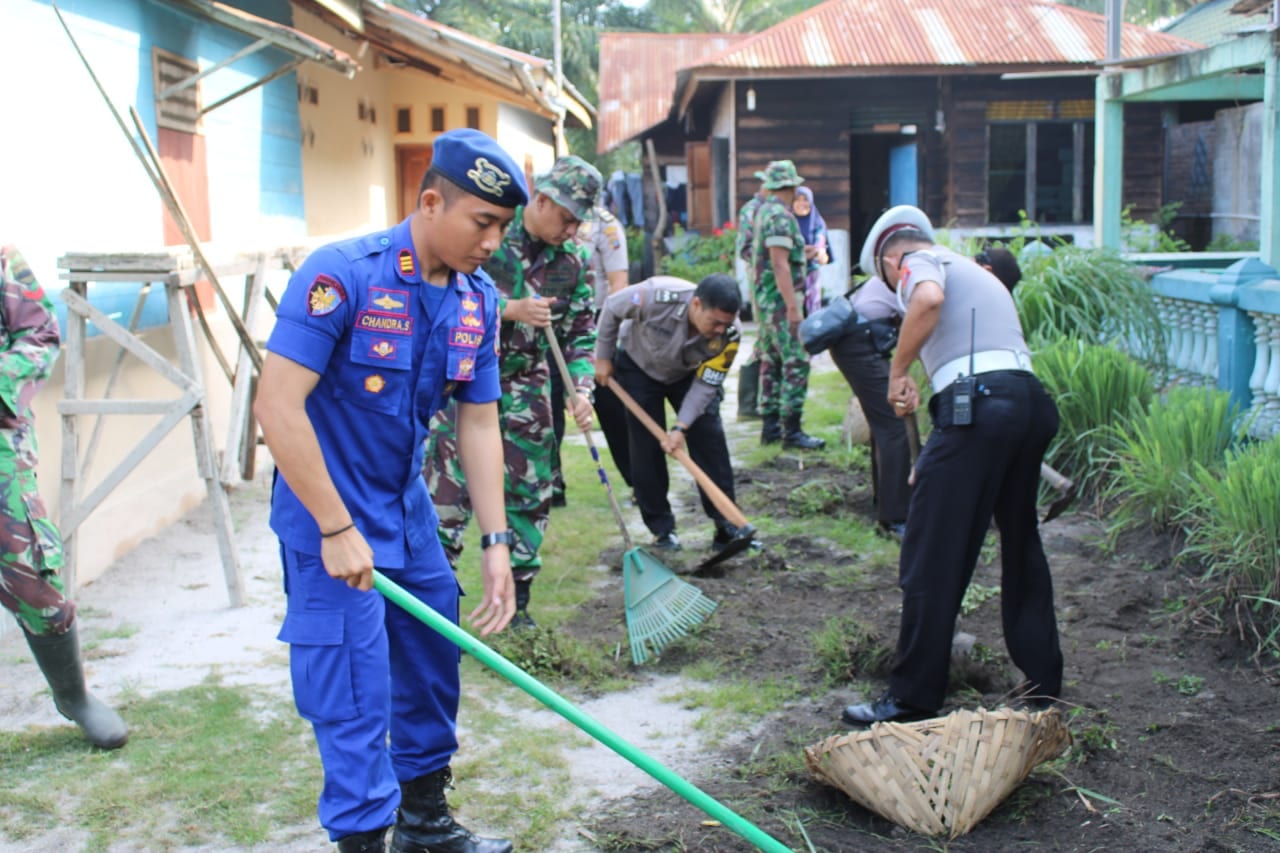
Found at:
[1040, 160]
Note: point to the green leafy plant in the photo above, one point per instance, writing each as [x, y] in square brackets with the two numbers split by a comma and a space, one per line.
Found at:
[1187, 685]
[1095, 388]
[699, 255]
[847, 648]
[1234, 527]
[1138, 235]
[1157, 452]
[1092, 295]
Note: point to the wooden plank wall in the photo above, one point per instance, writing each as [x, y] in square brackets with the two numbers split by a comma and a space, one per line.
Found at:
[1143, 161]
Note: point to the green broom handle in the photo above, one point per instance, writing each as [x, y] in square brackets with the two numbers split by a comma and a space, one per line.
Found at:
[472, 646]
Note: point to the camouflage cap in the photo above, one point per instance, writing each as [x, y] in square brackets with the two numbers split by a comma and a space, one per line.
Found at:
[574, 184]
[781, 174]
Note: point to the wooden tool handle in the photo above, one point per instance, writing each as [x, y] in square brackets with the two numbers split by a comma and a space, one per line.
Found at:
[727, 507]
[1055, 479]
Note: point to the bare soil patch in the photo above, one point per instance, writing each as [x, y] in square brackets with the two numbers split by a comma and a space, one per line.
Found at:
[1176, 728]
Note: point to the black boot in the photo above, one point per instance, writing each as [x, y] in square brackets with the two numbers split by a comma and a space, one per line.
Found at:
[749, 391]
[771, 430]
[522, 619]
[373, 841]
[424, 824]
[795, 437]
[58, 657]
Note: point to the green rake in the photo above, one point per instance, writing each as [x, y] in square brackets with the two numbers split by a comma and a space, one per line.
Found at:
[660, 607]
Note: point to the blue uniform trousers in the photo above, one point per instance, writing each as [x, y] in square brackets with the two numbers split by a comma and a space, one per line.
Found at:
[361, 669]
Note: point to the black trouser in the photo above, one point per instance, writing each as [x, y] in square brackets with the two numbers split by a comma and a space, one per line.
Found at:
[704, 439]
[965, 475]
[612, 416]
[867, 373]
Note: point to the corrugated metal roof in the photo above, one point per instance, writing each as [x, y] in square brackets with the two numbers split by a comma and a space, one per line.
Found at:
[638, 71]
[1214, 22]
[937, 34]
[638, 78]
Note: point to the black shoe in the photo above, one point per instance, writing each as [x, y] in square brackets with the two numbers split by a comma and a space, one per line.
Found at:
[667, 542]
[373, 841]
[894, 530]
[522, 621]
[886, 709]
[771, 430]
[558, 499]
[726, 534]
[794, 437]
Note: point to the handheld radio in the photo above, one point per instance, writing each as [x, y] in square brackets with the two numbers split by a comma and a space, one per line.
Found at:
[963, 388]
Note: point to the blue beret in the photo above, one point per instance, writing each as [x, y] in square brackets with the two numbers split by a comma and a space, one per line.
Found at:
[477, 164]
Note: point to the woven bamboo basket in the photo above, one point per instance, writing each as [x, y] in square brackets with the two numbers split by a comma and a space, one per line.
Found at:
[944, 775]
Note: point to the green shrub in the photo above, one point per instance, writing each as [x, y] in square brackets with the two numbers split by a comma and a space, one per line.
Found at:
[1158, 451]
[698, 256]
[1092, 295]
[1235, 529]
[1095, 387]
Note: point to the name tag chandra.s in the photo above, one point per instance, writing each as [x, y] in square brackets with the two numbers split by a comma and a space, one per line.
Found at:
[384, 323]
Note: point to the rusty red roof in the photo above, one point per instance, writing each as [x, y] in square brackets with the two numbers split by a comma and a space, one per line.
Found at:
[638, 77]
[938, 34]
[638, 74]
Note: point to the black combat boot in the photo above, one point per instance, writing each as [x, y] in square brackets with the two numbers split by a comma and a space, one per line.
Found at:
[58, 657]
[522, 619]
[771, 430]
[795, 437]
[373, 841]
[424, 824]
[749, 391]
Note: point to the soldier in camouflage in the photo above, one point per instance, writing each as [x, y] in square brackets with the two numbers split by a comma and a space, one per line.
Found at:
[749, 375]
[30, 545]
[544, 282]
[778, 263]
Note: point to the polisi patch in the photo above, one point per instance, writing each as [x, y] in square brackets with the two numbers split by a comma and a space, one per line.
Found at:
[324, 296]
[466, 338]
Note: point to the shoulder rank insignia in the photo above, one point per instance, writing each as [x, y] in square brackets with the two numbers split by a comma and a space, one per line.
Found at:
[406, 263]
[489, 178]
[324, 296]
[665, 296]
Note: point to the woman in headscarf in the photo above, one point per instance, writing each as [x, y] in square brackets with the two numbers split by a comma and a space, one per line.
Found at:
[814, 230]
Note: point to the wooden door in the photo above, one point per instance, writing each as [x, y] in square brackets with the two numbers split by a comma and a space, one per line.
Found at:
[412, 162]
[698, 157]
[184, 158]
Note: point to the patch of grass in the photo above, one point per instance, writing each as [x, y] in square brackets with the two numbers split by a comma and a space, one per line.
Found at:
[820, 496]
[726, 705]
[556, 656]
[976, 595]
[205, 763]
[1187, 685]
[847, 648]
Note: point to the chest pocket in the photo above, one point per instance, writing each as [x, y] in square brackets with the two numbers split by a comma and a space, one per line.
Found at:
[559, 282]
[377, 373]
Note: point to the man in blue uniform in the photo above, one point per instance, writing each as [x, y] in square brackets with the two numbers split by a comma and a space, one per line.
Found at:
[372, 337]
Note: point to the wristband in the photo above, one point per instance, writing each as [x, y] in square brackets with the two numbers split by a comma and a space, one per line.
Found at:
[502, 537]
[676, 428]
[333, 533]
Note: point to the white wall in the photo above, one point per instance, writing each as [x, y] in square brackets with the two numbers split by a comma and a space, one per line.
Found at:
[523, 133]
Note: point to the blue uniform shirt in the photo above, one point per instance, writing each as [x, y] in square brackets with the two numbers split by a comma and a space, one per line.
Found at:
[390, 353]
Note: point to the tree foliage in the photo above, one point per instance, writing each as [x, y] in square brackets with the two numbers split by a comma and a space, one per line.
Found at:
[1142, 12]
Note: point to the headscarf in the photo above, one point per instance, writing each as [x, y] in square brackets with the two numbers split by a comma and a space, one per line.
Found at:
[813, 223]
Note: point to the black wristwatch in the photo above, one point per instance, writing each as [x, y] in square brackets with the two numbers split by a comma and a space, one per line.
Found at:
[502, 537]
[676, 428]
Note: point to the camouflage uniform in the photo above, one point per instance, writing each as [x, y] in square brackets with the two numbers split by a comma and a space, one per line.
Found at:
[521, 267]
[784, 366]
[749, 375]
[30, 545]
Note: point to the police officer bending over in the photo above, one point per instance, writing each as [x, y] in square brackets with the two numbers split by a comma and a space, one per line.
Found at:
[666, 340]
[372, 337]
[992, 422]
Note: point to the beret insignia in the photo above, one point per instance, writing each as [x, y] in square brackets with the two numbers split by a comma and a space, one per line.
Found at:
[488, 177]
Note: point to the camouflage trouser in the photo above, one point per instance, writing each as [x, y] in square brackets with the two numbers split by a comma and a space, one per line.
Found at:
[528, 442]
[784, 364]
[30, 559]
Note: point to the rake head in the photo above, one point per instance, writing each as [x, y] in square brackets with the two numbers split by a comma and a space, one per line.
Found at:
[660, 607]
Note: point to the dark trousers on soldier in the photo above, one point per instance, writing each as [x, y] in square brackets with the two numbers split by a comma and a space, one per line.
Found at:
[964, 476]
[611, 415]
[704, 439]
[867, 373]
